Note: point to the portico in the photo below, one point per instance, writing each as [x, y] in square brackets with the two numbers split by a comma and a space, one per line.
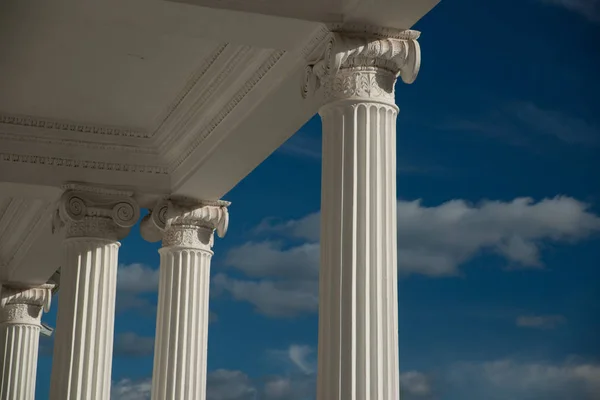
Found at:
[188, 101]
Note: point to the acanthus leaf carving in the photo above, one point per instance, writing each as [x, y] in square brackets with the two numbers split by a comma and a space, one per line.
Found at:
[24, 305]
[185, 222]
[363, 65]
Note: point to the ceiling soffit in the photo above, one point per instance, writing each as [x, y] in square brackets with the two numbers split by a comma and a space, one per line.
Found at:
[211, 94]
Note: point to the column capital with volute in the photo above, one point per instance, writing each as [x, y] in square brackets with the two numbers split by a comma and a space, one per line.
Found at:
[20, 323]
[186, 227]
[86, 211]
[24, 305]
[185, 222]
[362, 63]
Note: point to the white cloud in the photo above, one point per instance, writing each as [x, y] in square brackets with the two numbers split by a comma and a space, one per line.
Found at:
[127, 389]
[224, 384]
[137, 278]
[504, 379]
[135, 284]
[275, 261]
[278, 388]
[221, 384]
[299, 354]
[433, 241]
[415, 384]
[301, 358]
[523, 123]
[272, 298]
[540, 321]
[130, 344]
[588, 8]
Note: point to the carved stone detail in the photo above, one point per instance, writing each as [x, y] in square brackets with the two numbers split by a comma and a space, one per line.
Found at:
[22, 120]
[24, 305]
[184, 222]
[86, 164]
[236, 99]
[96, 212]
[363, 65]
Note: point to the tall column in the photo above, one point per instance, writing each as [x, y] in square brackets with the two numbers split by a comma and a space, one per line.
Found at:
[20, 318]
[182, 322]
[94, 220]
[358, 309]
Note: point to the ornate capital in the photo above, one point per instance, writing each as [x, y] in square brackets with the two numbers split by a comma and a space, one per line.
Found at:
[183, 222]
[96, 212]
[363, 64]
[24, 305]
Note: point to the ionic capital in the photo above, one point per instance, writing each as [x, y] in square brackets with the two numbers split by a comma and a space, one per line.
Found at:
[96, 212]
[24, 305]
[363, 64]
[183, 222]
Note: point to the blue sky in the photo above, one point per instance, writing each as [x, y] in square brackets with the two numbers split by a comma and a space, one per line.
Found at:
[498, 216]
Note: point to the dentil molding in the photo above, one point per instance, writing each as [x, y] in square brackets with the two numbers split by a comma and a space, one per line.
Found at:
[95, 212]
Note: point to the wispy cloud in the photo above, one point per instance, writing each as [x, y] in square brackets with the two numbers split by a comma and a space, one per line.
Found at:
[137, 284]
[511, 379]
[415, 384]
[137, 278]
[432, 241]
[283, 298]
[524, 124]
[130, 344]
[540, 321]
[589, 9]
[300, 357]
[492, 380]
[302, 146]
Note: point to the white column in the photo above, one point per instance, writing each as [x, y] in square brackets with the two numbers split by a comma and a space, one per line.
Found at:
[182, 321]
[20, 317]
[94, 219]
[358, 309]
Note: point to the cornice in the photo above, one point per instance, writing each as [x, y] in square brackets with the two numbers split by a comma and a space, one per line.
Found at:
[24, 138]
[47, 123]
[190, 86]
[86, 164]
[376, 32]
[225, 111]
[316, 41]
[204, 96]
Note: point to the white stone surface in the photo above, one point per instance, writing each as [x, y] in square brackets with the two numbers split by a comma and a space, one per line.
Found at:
[183, 295]
[358, 316]
[20, 316]
[94, 221]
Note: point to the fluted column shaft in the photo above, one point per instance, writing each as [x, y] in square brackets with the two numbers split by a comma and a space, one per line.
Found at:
[85, 326]
[182, 322]
[83, 347]
[20, 317]
[358, 301]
